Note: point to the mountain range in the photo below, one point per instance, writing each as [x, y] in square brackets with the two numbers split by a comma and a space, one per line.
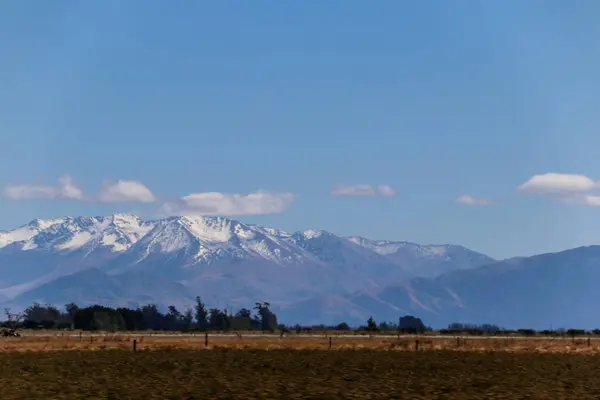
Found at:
[309, 276]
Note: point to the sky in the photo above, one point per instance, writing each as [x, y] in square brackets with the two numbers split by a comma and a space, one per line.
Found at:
[471, 123]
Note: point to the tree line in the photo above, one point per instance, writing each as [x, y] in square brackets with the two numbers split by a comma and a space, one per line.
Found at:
[147, 317]
[201, 318]
[491, 329]
[197, 318]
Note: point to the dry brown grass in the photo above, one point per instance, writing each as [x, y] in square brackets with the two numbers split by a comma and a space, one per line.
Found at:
[38, 342]
[297, 374]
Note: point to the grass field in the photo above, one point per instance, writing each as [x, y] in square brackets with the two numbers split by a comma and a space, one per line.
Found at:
[50, 341]
[297, 374]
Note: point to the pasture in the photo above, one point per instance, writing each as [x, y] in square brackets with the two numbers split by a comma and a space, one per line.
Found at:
[70, 340]
[226, 373]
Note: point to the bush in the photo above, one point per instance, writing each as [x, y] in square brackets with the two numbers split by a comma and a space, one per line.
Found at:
[526, 332]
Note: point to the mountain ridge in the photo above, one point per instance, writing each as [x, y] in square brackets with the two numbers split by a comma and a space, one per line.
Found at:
[225, 261]
[118, 219]
[558, 289]
[309, 276]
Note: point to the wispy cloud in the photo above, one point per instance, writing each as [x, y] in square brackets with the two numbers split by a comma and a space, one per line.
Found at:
[124, 191]
[215, 203]
[591, 200]
[66, 189]
[557, 184]
[362, 190]
[386, 191]
[475, 201]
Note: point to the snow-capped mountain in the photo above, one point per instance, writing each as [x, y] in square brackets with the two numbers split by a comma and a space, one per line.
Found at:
[309, 276]
[219, 258]
[209, 239]
[424, 260]
[115, 233]
[206, 240]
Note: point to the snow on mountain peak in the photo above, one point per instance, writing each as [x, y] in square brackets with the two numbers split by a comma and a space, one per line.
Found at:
[126, 218]
[438, 250]
[42, 224]
[387, 247]
[117, 233]
[27, 232]
[312, 233]
[382, 247]
[213, 229]
[130, 226]
[203, 239]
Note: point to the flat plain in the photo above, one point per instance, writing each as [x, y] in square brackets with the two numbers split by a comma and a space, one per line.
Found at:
[224, 373]
[56, 340]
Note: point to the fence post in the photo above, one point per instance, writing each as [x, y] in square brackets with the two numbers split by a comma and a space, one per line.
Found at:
[588, 341]
[417, 345]
[458, 342]
[206, 339]
[329, 342]
[134, 345]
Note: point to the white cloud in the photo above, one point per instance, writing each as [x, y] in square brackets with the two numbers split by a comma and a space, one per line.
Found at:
[386, 190]
[583, 199]
[214, 203]
[362, 190]
[474, 201]
[591, 200]
[123, 191]
[65, 190]
[553, 183]
[130, 191]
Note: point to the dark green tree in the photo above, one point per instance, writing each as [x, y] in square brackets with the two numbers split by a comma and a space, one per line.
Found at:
[134, 319]
[342, 327]
[242, 320]
[187, 318]
[371, 324]
[268, 320]
[410, 324]
[218, 319]
[153, 318]
[174, 319]
[98, 318]
[37, 316]
[200, 313]
[71, 309]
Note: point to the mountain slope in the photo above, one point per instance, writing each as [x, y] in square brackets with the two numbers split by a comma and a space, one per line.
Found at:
[92, 286]
[224, 260]
[425, 260]
[558, 289]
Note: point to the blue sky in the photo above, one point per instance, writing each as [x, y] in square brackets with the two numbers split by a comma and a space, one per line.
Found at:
[136, 107]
